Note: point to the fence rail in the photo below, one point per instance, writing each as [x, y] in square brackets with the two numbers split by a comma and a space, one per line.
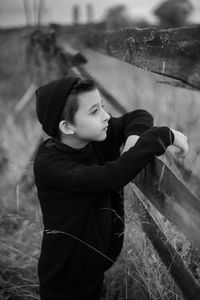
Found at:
[170, 52]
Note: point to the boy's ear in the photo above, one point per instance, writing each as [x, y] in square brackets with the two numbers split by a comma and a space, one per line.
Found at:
[65, 127]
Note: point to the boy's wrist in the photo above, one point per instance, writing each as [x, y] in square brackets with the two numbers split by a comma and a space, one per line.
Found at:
[130, 142]
[172, 136]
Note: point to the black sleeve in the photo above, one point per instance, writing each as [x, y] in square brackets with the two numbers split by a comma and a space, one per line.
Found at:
[112, 175]
[132, 123]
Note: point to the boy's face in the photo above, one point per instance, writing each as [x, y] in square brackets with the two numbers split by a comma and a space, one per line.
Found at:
[90, 120]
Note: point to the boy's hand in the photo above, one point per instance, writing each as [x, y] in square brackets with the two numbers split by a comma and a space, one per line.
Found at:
[180, 141]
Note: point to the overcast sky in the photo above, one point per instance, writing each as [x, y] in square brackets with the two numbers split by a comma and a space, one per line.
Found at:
[59, 11]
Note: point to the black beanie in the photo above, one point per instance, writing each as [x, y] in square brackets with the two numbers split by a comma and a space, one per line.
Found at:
[50, 102]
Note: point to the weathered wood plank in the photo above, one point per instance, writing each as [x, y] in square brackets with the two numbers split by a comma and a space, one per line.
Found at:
[172, 198]
[104, 92]
[171, 52]
[168, 254]
[75, 60]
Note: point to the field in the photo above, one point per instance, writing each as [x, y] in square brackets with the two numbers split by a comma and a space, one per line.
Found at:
[138, 274]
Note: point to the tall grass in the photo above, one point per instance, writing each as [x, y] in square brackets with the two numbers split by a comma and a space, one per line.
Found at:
[20, 246]
[139, 273]
[20, 221]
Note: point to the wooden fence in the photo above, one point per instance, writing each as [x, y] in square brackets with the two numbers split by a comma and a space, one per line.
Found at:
[172, 53]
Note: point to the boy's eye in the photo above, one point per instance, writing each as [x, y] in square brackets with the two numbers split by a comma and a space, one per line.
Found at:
[97, 109]
[94, 111]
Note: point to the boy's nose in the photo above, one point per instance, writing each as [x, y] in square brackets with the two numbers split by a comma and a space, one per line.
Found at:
[106, 116]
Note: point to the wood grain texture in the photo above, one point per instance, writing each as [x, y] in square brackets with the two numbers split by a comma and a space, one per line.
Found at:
[172, 198]
[171, 52]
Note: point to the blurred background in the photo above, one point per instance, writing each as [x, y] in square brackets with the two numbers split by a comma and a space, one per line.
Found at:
[29, 55]
[151, 12]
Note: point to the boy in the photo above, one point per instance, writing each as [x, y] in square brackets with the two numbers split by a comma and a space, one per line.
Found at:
[79, 174]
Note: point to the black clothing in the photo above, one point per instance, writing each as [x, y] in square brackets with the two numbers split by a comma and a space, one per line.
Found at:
[81, 202]
[50, 101]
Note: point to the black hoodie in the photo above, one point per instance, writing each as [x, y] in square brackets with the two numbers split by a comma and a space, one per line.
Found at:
[82, 204]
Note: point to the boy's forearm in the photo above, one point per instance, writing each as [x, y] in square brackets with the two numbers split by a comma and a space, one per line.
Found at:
[138, 121]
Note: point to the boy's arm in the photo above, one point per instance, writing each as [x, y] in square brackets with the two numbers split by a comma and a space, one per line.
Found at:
[112, 175]
[125, 130]
[133, 123]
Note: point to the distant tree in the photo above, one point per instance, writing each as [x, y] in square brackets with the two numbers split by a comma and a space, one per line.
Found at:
[117, 17]
[173, 13]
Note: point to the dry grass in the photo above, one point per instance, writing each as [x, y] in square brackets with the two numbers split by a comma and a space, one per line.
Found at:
[20, 246]
[138, 274]
[20, 221]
